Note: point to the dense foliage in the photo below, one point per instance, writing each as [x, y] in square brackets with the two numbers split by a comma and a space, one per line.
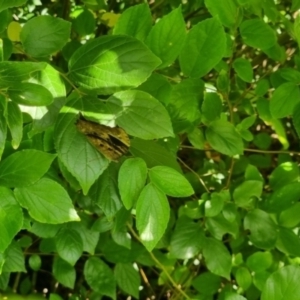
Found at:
[205, 205]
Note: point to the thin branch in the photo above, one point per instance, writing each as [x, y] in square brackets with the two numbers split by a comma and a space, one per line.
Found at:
[161, 266]
[195, 173]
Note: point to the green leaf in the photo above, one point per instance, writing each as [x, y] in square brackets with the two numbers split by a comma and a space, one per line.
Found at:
[259, 261]
[296, 118]
[69, 245]
[84, 23]
[288, 242]
[64, 273]
[262, 227]
[80, 158]
[284, 100]
[290, 217]
[14, 259]
[3, 123]
[30, 94]
[283, 284]
[243, 278]
[223, 137]
[184, 104]
[215, 205]
[170, 181]
[105, 192]
[11, 217]
[243, 68]
[203, 48]
[207, 283]
[211, 107]
[257, 34]
[153, 154]
[112, 63]
[24, 167]
[227, 12]
[197, 139]
[140, 115]
[128, 279]
[152, 215]
[131, 180]
[47, 202]
[245, 191]
[141, 26]
[187, 239]
[166, 37]
[157, 86]
[217, 257]
[35, 262]
[284, 174]
[15, 123]
[283, 198]
[100, 277]
[12, 3]
[16, 71]
[44, 35]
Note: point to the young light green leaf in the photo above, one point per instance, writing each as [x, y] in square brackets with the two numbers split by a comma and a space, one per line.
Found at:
[197, 139]
[217, 257]
[30, 94]
[215, 205]
[44, 35]
[153, 154]
[100, 277]
[152, 215]
[35, 262]
[243, 68]
[243, 278]
[283, 284]
[170, 181]
[47, 202]
[166, 37]
[186, 239]
[227, 12]
[284, 100]
[223, 137]
[3, 123]
[15, 123]
[257, 34]
[80, 158]
[140, 114]
[11, 217]
[142, 24]
[128, 279]
[262, 227]
[64, 273]
[197, 59]
[24, 167]
[69, 245]
[131, 180]
[112, 63]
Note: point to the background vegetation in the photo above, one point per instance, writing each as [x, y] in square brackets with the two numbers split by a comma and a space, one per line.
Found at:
[205, 205]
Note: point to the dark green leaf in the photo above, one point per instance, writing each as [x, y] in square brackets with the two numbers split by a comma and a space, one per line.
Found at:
[198, 58]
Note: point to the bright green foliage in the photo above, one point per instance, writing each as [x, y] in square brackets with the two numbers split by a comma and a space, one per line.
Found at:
[203, 202]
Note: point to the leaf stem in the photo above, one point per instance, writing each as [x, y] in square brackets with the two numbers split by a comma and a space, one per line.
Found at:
[161, 266]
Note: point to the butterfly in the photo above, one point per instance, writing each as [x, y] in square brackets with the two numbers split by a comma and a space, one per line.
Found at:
[112, 142]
